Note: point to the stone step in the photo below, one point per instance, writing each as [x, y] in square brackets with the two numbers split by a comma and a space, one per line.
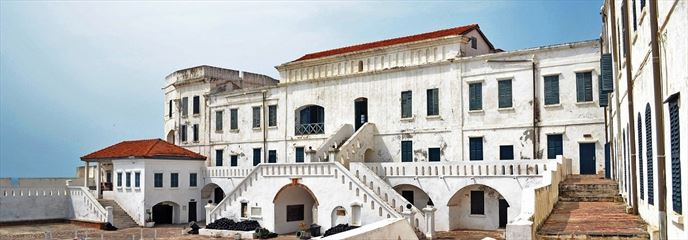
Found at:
[590, 188]
[120, 217]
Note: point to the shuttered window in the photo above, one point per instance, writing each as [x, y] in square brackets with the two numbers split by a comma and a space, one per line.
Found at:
[193, 180]
[196, 105]
[406, 104]
[406, 151]
[256, 117]
[182, 133]
[606, 85]
[477, 203]
[219, 155]
[272, 115]
[233, 161]
[233, 119]
[584, 86]
[640, 157]
[649, 156]
[256, 156]
[128, 179]
[554, 146]
[504, 92]
[475, 146]
[195, 132]
[218, 120]
[137, 179]
[552, 89]
[299, 154]
[433, 154]
[272, 156]
[157, 180]
[119, 179]
[433, 102]
[174, 180]
[185, 106]
[506, 152]
[474, 43]
[675, 138]
[475, 96]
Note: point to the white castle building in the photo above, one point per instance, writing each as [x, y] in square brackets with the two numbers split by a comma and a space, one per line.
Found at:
[468, 135]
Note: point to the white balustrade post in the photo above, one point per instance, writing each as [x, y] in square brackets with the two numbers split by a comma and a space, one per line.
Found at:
[86, 174]
[97, 179]
[429, 221]
[208, 208]
[110, 216]
[310, 155]
[333, 154]
[409, 215]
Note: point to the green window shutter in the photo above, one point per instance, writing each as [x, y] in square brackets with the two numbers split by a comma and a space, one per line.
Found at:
[580, 88]
[475, 96]
[505, 96]
[587, 81]
[406, 104]
[406, 151]
[551, 90]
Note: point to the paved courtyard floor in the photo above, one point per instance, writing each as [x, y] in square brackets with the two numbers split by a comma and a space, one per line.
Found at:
[464, 234]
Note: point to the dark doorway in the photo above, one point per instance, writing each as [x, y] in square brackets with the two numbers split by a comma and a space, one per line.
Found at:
[219, 195]
[408, 195]
[587, 158]
[361, 112]
[192, 211]
[503, 207]
[162, 214]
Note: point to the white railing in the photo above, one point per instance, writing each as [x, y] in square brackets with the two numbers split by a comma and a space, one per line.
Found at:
[354, 148]
[387, 193]
[336, 139]
[291, 170]
[309, 128]
[37, 203]
[85, 206]
[227, 172]
[461, 168]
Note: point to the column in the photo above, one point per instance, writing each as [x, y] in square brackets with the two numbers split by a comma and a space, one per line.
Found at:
[97, 179]
[409, 215]
[208, 208]
[86, 175]
[429, 221]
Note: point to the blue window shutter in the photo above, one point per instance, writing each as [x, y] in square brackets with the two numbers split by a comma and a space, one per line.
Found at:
[674, 128]
[475, 148]
[580, 87]
[406, 151]
[607, 74]
[218, 157]
[649, 156]
[640, 157]
[504, 91]
[406, 104]
[551, 89]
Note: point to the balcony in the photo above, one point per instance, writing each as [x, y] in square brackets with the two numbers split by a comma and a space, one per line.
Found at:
[309, 128]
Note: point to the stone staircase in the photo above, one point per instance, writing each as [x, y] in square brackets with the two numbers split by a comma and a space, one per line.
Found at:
[120, 218]
[590, 207]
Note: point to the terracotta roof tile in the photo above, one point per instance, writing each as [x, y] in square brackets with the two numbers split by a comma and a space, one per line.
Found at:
[148, 148]
[389, 42]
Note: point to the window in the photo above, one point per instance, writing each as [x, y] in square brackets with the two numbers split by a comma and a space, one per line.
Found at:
[554, 146]
[244, 209]
[310, 120]
[433, 102]
[185, 106]
[119, 179]
[299, 154]
[256, 156]
[183, 133]
[193, 179]
[552, 89]
[218, 120]
[475, 148]
[295, 213]
[640, 157]
[233, 119]
[360, 66]
[195, 132]
[506, 152]
[219, 157]
[675, 138]
[635, 23]
[406, 151]
[157, 180]
[475, 96]
[649, 157]
[174, 180]
[642, 4]
[624, 27]
[406, 104]
[474, 43]
[137, 179]
[256, 117]
[128, 182]
[233, 161]
[272, 115]
[584, 86]
[272, 156]
[504, 92]
[433, 154]
[169, 111]
[196, 105]
[477, 203]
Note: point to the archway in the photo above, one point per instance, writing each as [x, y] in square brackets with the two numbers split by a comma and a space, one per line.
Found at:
[170, 137]
[166, 212]
[418, 197]
[369, 155]
[339, 216]
[479, 207]
[294, 204]
[212, 192]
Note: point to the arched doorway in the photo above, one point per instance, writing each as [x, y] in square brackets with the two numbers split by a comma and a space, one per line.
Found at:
[360, 112]
[310, 119]
[212, 192]
[414, 195]
[478, 207]
[294, 204]
[369, 155]
[339, 216]
[170, 137]
[165, 213]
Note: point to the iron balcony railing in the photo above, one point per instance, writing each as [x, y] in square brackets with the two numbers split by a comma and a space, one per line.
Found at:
[310, 128]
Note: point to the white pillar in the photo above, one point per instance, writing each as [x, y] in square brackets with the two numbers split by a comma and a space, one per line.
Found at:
[429, 221]
[409, 215]
[86, 175]
[110, 216]
[97, 179]
[208, 208]
[314, 212]
[355, 214]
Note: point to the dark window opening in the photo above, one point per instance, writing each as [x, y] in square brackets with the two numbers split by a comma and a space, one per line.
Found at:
[193, 181]
[506, 152]
[554, 146]
[119, 179]
[183, 133]
[218, 120]
[128, 174]
[233, 161]
[299, 155]
[157, 180]
[504, 92]
[233, 118]
[551, 90]
[295, 213]
[195, 132]
[360, 66]
[169, 111]
[311, 120]
[219, 154]
[406, 151]
[477, 203]
[475, 96]
[256, 156]
[174, 180]
[256, 117]
[185, 106]
[272, 115]
[272, 156]
[474, 43]
[137, 179]
[406, 104]
[196, 105]
[434, 154]
[475, 148]
[408, 195]
[433, 102]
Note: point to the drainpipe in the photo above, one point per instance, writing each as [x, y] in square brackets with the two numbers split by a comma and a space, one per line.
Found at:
[615, 51]
[265, 128]
[659, 121]
[631, 111]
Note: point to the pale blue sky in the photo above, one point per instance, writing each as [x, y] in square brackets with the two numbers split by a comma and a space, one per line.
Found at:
[79, 76]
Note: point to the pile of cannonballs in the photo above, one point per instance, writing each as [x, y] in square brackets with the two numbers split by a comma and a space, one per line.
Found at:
[228, 224]
[337, 229]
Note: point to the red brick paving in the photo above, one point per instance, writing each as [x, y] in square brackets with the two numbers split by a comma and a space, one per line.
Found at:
[464, 234]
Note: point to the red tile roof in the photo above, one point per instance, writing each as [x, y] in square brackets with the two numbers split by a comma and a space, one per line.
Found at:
[389, 42]
[149, 148]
